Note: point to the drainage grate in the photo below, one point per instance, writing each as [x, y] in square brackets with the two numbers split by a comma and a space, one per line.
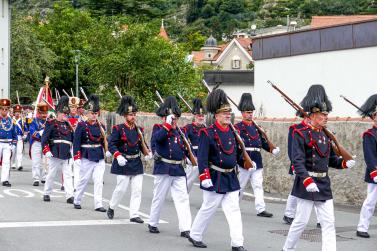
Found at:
[312, 235]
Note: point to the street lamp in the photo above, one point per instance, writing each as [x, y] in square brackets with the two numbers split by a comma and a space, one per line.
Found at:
[77, 59]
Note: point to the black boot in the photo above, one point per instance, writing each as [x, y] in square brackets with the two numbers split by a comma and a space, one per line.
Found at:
[110, 213]
[76, 206]
[185, 234]
[288, 220]
[137, 220]
[238, 248]
[46, 197]
[70, 200]
[20, 168]
[362, 234]
[197, 244]
[100, 209]
[153, 230]
[265, 214]
[36, 183]
[6, 184]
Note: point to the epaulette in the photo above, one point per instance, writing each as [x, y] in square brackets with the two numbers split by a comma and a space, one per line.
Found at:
[299, 131]
[157, 125]
[293, 126]
[368, 132]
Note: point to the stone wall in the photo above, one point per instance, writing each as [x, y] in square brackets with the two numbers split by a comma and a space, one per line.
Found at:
[348, 185]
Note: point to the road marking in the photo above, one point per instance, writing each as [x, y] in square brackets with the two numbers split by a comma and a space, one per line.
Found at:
[11, 191]
[65, 223]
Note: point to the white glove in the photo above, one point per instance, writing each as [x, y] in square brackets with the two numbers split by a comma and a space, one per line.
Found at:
[121, 160]
[207, 183]
[276, 151]
[108, 154]
[169, 119]
[188, 161]
[350, 163]
[312, 188]
[49, 155]
[77, 162]
[24, 136]
[148, 157]
[375, 179]
[41, 133]
[254, 166]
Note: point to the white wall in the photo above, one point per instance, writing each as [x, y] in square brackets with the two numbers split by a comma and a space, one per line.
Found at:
[352, 73]
[4, 47]
[226, 63]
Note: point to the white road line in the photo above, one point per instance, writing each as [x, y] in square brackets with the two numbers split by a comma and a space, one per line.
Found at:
[120, 206]
[65, 223]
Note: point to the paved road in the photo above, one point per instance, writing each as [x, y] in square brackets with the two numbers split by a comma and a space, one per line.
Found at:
[28, 223]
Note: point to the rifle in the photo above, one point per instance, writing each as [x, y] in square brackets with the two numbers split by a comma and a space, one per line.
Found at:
[144, 146]
[21, 115]
[337, 147]
[247, 160]
[66, 93]
[184, 101]
[192, 158]
[103, 133]
[354, 105]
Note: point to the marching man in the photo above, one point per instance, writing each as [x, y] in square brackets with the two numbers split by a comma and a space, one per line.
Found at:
[217, 158]
[126, 143]
[8, 140]
[370, 156]
[36, 130]
[192, 132]
[21, 131]
[253, 143]
[312, 155]
[89, 154]
[56, 144]
[169, 159]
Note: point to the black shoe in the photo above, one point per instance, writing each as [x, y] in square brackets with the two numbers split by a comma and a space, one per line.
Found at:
[185, 234]
[36, 183]
[62, 188]
[20, 168]
[241, 248]
[197, 244]
[6, 184]
[288, 220]
[110, 213]
[100, 209]
[76, 206]
[265, 214]
[46, 197]
[70, 200]
[137, 220]
[153, 230]
[13, 167]
[362, 234]
[318, 225]
[43, 181]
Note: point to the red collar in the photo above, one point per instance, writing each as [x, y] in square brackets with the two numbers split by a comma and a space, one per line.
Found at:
[223, 129]
[303, 123]
[129, 126]
[91, 122]
[247, 123]
[315, 128]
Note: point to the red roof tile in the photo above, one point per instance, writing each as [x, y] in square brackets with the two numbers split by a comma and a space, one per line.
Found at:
[323, 21]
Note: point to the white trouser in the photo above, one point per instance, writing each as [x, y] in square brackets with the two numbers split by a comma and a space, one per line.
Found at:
[136, 188]
[60, 165]
[95, 170]
[290, 208]
[36, 159]
[17, 156]
[5, 152]
[76, 171]
[178, 190]
[231, 207]
[325, 213]
[192, 174]
[367, 209]
[256, 180]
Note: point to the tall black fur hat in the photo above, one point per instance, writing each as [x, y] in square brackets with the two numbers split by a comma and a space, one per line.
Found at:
[170, 106]
[217, 102]
[92, 104]
[369, 108]
[127, 105]
[316, 100]
[246, 103]
[198, 106]
[63, 105]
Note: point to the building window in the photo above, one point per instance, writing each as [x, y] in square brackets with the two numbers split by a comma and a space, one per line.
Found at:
[209, 55]
[236, 62]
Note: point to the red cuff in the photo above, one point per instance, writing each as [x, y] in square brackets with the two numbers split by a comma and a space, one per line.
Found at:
[373, 174]
[77, 156]
[116, 154]
[46, 149]
[344, 164]
[205, 175]
[167, 126]
[308, 181]
[293, 168]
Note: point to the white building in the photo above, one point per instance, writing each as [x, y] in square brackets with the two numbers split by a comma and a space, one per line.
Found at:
[4, 48]
[343, 58]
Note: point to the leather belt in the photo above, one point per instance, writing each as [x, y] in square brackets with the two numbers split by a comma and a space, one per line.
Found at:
[5, 140]
[62, 141]
[135, 156]
[317, 175]
[175, 162]
[91, 146]
[252, 149]
[195, 147]
[221, 169]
